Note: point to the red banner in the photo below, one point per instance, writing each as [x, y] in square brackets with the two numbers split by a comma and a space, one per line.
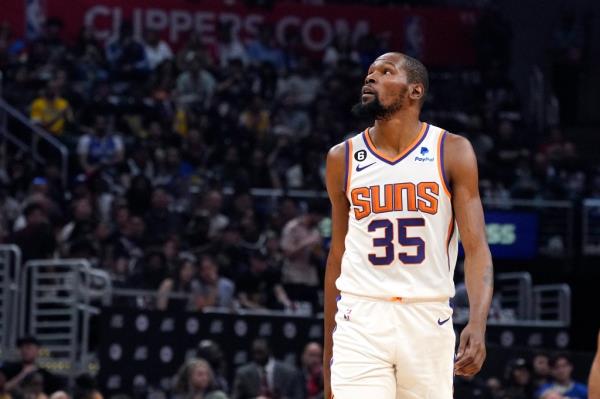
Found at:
[435, 35]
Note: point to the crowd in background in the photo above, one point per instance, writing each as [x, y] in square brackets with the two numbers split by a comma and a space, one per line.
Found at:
[166, 145]
[206, 376]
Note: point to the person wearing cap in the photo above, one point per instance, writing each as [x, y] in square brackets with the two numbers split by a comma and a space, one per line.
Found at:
[17, 372]
[518, 375]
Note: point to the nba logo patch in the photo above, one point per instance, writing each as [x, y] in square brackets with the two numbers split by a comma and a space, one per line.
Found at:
[347, 314]
[424, 150]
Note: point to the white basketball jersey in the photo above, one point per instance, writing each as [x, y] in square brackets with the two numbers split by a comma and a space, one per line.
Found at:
[402, 240]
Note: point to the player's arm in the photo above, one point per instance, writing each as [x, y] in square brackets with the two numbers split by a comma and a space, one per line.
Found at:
[461, 167]
[339, 218]
[594, 382]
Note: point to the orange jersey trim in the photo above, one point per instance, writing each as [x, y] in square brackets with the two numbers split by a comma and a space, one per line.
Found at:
[408, 149]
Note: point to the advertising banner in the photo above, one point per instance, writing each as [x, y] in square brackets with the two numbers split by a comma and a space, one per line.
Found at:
[438, 36]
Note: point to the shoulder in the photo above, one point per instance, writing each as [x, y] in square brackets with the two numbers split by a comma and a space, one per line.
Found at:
[459, 156]
[579, 387]
[337, 152]
[39, 102]
[226, 283]
[286, 368]
[455, 143]
[216, 395]
[246, 369]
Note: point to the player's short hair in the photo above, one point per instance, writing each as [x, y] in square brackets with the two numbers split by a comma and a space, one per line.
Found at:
[416, 73]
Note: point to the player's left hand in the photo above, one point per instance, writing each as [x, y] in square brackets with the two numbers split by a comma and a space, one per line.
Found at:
[471, 350]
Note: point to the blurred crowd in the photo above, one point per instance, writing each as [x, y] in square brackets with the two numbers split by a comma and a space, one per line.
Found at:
[166, 145]
[207, 376]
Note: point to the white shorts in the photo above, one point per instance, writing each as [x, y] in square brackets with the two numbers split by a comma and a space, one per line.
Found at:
[392, 350]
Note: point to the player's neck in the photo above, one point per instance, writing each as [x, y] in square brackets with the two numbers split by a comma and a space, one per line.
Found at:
[393, 136]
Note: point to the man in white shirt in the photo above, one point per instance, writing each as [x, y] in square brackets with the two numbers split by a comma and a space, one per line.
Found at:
[157, 50]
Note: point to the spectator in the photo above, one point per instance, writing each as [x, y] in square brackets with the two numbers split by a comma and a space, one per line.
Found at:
[81, 227]
[36, 240]
[32, 386]
[157, 50]
[541, 370]
[196, 85]
[195, 380]
[494, 385]
[85, 388]
[27, 374]
[161, 220]
[212, 353]
[256, 119]
[184, 281]
[552, 394]
[266, 377]
[259, 287]
[101, 150]
[562, 368]
[51, 111]
[213, 290]
[264, 49]
[299, 238]
[228, 46]
[9, 212]
[151, 271]
[312, 365]
[519, 380]
[127, 56]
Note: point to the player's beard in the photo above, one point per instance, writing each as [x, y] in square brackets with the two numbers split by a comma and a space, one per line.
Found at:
[374, 110]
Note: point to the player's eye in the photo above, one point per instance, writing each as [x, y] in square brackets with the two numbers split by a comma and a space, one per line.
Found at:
[387, 72]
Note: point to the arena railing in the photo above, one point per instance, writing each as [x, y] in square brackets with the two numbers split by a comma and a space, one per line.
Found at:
[552, 302]
[58, 298]
[10, 268]
[515, 292]
[32, 143]
[590, 226]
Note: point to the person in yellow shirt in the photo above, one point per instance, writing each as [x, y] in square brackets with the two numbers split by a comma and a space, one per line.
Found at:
[51, 111]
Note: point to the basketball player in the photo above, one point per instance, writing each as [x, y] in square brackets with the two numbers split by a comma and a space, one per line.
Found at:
[594, 382]
[396, 191]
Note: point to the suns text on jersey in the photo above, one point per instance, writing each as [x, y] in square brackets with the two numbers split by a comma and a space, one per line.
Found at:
[411, 197]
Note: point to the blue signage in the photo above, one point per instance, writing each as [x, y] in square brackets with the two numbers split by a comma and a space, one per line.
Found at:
[511, 235]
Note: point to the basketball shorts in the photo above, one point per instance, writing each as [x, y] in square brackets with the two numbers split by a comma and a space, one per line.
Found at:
[392, 350]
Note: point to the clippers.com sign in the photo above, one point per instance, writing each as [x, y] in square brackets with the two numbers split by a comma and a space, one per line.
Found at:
[438, 36]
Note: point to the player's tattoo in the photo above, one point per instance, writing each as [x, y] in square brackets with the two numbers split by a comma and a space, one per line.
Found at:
[488, 275]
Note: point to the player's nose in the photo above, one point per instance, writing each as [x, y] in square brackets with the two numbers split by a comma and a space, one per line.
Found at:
[370, 79]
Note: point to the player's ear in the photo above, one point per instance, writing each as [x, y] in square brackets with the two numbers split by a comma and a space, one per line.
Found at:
[416, 91]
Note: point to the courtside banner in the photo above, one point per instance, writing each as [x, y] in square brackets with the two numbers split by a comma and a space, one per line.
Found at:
[435, 35]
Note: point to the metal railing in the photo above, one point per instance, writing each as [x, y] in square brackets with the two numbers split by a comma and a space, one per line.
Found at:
[515, 292]
[31, 143]
[590, 227]
[10, 263]
[552, 302]
[58, 298]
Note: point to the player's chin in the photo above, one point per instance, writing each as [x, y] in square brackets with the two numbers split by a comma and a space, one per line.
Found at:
[367, 98]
